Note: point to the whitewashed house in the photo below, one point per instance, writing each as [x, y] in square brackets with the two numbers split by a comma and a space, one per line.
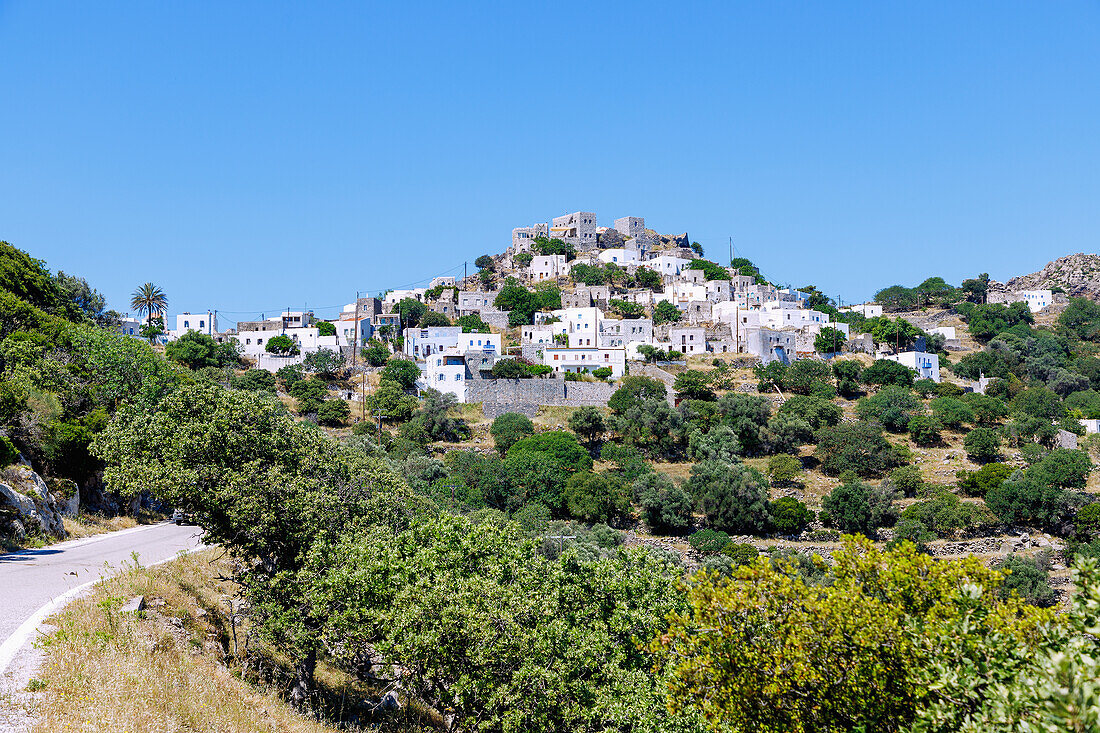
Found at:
[584, 359]
[926, 365]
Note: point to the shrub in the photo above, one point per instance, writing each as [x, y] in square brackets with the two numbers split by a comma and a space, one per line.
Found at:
[309, 393]
[255, 380]
[588, 424]
[987, 409]
[333, 413]
[375, 353]
[886, 372]
[982, 445]
[1064, 468]
[667, 508]
[952, 413]
[510, 369]
[740, 553]
[857, 447]
[989, 476]
[8, 452]
[510, 428]
[783, 468]
[817, 412]
[596, 497]
[924, 430]
[733, 497]
[558, 446]
[789, 516]
[805, 375]
[633, 390]
[856, 508]
[694, 384]
[602, 373]
[944, 514]
[1087, 523]
[892, 406]
[907, 479]
[708, 541]
[1029, 578]
[1022, 499]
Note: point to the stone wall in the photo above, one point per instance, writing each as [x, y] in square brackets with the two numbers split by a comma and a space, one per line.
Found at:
[498, 396]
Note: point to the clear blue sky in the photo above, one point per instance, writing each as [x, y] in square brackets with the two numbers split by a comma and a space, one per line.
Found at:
[250, 156]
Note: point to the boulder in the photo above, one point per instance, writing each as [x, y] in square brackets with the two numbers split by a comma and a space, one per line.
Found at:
[29, 497]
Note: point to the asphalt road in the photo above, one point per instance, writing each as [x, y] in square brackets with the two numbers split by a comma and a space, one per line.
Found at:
[33, 579]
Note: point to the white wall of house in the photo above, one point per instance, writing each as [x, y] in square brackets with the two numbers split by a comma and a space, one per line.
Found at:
[202, 322]
[667, 265]
[618, 256]
[523, 236]
[585, 359]
[927, 366]
[446, 372]
[867, 310]
[688, 341]
[421, 343]
[130, 326]
[547, 267]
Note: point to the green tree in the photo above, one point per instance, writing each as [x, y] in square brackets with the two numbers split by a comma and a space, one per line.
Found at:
[324, 328]
[197, 350]
[255, 380]
[411, 311]
[734, 497]
[783, 468]
[817, 412]
[596, 497]
[149, 300]
[633, 390]
[857, 447]
[789, 515]
[830, 340]
[472, 323]
[925, 430]
[282, 345]
[9, 454]
[484, 262]
[694, 384]
[989, 476]
[510, 428]
[886, 372]
[431, 319]
[666, 312]
[892, 406]
[1028, 577]
[666, 507]
[309, 393]
[559, 446]
[588, 424]
[1081, 317]
[404, 372]
[333, 413]
[510, 369]
[375, 353]
[952, 413]
[324, 361]
[982, 445]
[390, 401]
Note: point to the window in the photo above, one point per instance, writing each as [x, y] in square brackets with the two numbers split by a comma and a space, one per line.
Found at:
[202, 324]
[248, 341]
[440, 377]
[555, 357]
[187, 324]
[458, 377]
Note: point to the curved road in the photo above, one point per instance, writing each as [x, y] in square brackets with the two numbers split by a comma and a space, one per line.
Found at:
[34, 583]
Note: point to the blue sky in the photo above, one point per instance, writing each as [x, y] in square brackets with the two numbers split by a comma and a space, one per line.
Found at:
[253, 156]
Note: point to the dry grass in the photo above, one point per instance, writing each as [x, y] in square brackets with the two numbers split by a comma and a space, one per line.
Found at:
[156, 671]
[87, 525]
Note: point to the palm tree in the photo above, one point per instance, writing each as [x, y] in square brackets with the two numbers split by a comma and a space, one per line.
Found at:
[150, 300]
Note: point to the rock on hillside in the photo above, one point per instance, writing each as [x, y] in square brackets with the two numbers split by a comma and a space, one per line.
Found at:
[25, 498]
[1078, 275]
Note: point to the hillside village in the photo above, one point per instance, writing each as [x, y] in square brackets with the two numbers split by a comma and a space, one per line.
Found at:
[570, 300]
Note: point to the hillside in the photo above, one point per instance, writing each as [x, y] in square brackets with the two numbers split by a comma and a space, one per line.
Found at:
[1076, 274]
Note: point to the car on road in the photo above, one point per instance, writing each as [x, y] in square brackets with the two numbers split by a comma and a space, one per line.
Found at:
[181, 517]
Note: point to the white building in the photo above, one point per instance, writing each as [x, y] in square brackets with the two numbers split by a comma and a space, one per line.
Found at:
[446, 281]
[619, 256]
[562, 359]
[130, 326]
[668, 266]
[547, 267]
[581, 325]
[205, 323]
[445, 371]
[394, 297]
[420, 343]
[688, 341]
[926, 365]
[537, 335]
[867, 310]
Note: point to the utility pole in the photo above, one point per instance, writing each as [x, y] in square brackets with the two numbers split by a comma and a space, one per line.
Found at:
[379, 415]
[452, 487]
[561, 538]
[731, 251]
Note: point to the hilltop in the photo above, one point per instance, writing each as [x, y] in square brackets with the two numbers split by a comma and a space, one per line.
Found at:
[1077, 274]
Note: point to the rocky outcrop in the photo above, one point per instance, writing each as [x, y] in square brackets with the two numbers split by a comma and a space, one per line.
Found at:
[30, 504]
[1077, 274]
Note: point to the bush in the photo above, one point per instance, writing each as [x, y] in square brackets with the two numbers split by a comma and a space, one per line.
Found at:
[856, 508]
[510, 369]
[789, 516]
[733, 497]
[783, 468]
[1029, 578]
[282, 345]
[817, 412]
[588, 424]
[558, 446]
[375, 353]
[989, 476]
[333, 413]
[8, 452]
[1021, 499]
[1086, 525]
[694, 385]
[255, 380]
[510, 428]
[944, 514]
[596, 497]
[987, 409]
[982, 445]
[952, 413]
[404, 372]
[885, 372]
[924, 430]
[892, 406]
[602, 373]
[633, 390]
[907, 479]
[740, 553]
[309, 393]
[667, 508]
[324, 361]
[856, 447]
[708, 541]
